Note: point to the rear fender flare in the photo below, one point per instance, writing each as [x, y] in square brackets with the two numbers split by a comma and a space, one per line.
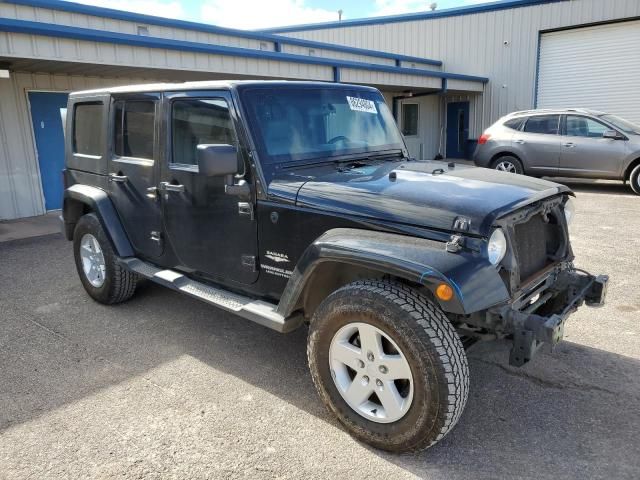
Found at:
[78, 199]
[475, 282]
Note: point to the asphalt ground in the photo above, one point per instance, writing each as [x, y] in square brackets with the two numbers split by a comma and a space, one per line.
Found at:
[164, 386]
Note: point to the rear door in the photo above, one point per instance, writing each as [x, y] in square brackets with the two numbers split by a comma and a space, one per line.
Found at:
[538, 144]
[585, 153]
[212, 233]
[133, 169]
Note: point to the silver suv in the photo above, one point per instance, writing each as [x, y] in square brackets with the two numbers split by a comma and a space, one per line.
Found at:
[563, 143]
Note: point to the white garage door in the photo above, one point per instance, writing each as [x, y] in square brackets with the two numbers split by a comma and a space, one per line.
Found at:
[592, 67]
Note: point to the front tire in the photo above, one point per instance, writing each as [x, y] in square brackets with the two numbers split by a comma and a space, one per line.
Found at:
[102, 277]
[508, 163]
[634, 180]
[388, 363]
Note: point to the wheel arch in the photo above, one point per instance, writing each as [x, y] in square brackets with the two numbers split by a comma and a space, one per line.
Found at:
[344, 255]
[633, 164]
[504, 153]
[82, 199]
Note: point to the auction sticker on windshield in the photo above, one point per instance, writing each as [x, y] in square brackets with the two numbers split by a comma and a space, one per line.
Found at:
[362, 105]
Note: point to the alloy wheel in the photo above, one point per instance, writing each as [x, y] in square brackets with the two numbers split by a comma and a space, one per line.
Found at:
[93, 263]
[371, 373]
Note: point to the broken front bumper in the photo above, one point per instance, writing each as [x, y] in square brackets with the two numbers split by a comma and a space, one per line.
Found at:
[539, 318]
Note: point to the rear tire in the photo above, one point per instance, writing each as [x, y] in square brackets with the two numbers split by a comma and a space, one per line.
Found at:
[634, 180]
[410, 328]
[508, 163]
[101, 276]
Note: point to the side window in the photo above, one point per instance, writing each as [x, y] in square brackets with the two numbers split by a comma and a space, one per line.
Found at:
[133, 129]
[578, 126]
[543, 124]
[514, 123]
[87, 129]
[410, 119]
[199, 121]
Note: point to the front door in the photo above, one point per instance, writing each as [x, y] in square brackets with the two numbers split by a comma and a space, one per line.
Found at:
[47, 130]
[586, 153]
[457, 129]
[133, 170]
[213, 233]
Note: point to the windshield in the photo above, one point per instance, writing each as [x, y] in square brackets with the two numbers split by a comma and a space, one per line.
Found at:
[292, 124]
[621, 124]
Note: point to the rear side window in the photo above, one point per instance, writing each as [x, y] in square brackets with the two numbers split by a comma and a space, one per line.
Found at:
[133, 129]
[87, 129]
[543, 124]
[514, 123]
[199, 121]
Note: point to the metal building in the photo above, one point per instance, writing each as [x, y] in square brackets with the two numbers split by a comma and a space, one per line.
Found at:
[51, 47]
[448, 74]
[536, 53]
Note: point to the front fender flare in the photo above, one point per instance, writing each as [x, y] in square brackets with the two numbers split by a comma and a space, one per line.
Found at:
[476, 283]
[99, 203]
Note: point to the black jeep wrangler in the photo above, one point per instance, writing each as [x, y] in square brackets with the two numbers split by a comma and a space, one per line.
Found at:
[291, 203]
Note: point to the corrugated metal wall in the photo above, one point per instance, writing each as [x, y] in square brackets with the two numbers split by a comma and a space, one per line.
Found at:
[475, 44]
[20, 189]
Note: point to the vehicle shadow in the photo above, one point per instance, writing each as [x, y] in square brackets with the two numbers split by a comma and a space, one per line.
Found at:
[573, 414]
[594, 186]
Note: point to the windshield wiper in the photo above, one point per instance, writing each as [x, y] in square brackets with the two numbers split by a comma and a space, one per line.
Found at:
[387, 155]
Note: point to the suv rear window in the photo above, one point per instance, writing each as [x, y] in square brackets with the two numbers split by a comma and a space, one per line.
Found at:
[543, 124]
[134, 125]
[514, 123]
[87, 129]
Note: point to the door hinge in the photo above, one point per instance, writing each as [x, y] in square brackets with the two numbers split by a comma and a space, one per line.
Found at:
[249, 261]
[245, 209]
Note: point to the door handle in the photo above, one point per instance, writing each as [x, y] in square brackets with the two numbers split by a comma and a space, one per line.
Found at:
[569, 144]
[152, 193]
[170, 187]
[519, 142]
[114, 177]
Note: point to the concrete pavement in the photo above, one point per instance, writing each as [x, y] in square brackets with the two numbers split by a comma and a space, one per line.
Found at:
[164, 386]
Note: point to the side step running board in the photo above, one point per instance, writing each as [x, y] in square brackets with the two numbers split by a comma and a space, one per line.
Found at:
[257, 311]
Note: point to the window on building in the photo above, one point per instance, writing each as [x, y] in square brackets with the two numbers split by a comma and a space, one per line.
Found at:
[142, 30]
[410, 119]
[133, 128]
[543, 124]
[199, 121]
[87, 129]
[578, 126]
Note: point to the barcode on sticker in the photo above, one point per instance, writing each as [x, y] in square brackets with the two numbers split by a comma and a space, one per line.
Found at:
[362, 105]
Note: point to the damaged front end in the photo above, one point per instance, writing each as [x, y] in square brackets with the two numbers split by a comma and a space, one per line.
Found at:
[544, 286]
[539, 317]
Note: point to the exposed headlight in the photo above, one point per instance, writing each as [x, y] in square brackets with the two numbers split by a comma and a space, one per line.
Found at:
[569, 210]
[497, 246]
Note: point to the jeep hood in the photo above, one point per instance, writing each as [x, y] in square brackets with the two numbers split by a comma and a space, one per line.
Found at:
[424, 194]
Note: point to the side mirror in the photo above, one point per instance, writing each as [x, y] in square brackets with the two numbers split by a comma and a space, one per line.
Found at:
[612, 134]
[217, 160]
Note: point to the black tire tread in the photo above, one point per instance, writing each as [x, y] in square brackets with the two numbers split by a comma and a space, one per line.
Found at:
[440, 332]
[122, 284]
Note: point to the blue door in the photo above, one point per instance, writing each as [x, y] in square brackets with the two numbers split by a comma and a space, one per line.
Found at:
[457, 129]
[47, 129]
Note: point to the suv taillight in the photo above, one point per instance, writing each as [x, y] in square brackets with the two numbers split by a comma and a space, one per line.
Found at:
[484, 138]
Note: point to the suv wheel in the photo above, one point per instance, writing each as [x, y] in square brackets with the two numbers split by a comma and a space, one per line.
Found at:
[509, 164]
[634, 179]
[101, 275]
[388, 363]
